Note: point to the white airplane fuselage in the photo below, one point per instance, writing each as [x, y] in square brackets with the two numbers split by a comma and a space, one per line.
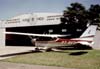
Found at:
[64, 42]
[55, 40]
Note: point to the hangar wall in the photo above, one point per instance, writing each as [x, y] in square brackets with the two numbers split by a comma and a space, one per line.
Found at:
[2, 34]
[34, 19]
[25, 20]
[97, 40]
[2, 37]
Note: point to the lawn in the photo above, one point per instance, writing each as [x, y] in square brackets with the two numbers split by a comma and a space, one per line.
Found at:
[81, 59]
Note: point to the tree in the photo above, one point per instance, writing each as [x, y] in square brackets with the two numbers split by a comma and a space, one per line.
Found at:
[77, 14]
[94, 14]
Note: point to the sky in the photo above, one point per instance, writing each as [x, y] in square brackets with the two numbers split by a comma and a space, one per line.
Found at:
[10, 8]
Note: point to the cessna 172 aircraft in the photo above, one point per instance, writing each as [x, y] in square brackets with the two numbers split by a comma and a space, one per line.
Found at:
[54, 40]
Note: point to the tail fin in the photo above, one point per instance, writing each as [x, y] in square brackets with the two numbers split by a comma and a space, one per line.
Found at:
[88, 35]
[90, 31]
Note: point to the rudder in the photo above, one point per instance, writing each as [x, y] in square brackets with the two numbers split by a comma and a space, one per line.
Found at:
[90, 31]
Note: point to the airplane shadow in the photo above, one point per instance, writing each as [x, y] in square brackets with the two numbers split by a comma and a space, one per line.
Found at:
[75, 47]
[78, 53]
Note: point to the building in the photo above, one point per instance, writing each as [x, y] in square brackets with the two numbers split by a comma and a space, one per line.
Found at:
[33, 19]
[41, 23]
[29, 21]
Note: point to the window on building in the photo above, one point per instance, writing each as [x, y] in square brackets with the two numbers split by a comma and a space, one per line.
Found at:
[51, 19]
[40, 18]
[32, 19]
[57, 18]
[78, 30]
[66, 23]
[50, 30]
[13, 21]
[64, 30]
[26, 20]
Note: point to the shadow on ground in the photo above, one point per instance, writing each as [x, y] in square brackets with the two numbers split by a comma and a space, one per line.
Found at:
[75, 47]
[22, 53]
[78, 53]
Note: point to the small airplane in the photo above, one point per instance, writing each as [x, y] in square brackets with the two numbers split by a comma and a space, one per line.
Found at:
[48, 41]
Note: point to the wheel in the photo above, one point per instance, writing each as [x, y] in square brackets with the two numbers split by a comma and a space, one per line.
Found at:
[37, 49]
[48, 49]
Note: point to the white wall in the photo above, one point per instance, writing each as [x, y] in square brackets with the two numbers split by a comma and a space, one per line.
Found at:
[97, 41]
[2, 34]
[33, 19]
[48, 18]
[18, 21]
[2, 37]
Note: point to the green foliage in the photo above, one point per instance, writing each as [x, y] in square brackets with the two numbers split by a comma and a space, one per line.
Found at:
[77, 13]
[94, 14]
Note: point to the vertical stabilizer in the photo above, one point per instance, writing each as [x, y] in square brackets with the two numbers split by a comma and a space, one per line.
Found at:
[88, 36]
[90, 31]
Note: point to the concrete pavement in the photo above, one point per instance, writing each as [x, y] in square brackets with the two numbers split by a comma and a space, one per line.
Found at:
[8, 65]
[9, 51]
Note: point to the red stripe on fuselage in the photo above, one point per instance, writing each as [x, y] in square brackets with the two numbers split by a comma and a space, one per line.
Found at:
[69, 40]
[78, 40]
[87, 36]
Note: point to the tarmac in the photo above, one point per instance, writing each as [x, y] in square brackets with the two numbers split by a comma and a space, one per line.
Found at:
[8, 65]
[11, 51]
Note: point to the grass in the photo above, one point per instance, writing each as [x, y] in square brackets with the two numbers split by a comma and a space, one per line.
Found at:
[81, 59]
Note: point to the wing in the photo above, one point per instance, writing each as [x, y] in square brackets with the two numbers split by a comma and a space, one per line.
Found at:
[39, 35]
